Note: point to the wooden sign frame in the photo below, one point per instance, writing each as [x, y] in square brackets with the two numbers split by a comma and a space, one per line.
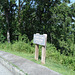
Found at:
[37, 43]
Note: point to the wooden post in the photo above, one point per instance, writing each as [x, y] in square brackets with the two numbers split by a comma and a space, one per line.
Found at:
[43, 55]
[36, 52]
[44, 51]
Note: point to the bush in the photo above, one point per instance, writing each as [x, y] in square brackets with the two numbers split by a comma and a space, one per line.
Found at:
[67, 49]
[2, 38]
[23, 38]
[51, 52]
[22, 47]
[19, 46]
[6, 45]
[68, 61]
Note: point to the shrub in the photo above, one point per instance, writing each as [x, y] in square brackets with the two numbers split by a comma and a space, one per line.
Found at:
[5, 45]
[52, 53]
[2, 38]
[22, 47]
[67, 49]
[50, 50]
[23, 38]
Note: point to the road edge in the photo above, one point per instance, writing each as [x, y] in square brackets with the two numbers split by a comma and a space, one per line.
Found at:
[11, 67]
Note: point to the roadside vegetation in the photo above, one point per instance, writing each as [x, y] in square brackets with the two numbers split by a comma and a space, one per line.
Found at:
[54, 60]
[20, 19]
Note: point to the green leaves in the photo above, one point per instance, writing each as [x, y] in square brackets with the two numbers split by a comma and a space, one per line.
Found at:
[2, 38]
[52, 17]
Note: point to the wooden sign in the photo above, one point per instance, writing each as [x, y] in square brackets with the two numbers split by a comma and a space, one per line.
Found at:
[40, 40]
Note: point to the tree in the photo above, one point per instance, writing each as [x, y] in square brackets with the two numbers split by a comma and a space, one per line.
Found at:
[6, 6]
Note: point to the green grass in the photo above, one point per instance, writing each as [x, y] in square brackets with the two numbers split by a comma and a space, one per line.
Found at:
[59, 67]
[50, 63]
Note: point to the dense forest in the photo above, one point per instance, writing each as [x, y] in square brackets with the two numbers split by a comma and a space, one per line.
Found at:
[20, 19]
[52, 17]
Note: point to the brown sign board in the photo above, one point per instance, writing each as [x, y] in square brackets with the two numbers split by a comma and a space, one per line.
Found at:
[39, 39]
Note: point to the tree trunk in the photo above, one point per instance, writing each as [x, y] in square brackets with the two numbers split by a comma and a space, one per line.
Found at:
[7, 21]
[8, 36]
[19, 10]
[51, 37]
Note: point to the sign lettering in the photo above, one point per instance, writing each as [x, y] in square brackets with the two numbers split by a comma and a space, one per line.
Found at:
[39, 39]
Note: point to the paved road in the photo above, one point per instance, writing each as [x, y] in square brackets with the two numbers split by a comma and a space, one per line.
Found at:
[4, 70]
[26, 66]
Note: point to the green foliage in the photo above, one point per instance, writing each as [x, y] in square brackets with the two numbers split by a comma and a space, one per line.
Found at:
[2, 38]
[51, 52]
[28, 17]
[23, 38]
[66, 48]
[6, 46]
[54, 18]
[22, 47]
[19, 46]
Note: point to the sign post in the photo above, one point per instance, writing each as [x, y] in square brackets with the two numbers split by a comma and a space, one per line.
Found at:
[36, 52]
[40, 40]
[44, 51]
[43, 55]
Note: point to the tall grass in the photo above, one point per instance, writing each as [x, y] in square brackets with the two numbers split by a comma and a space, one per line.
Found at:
[51, 52]
[19, 46]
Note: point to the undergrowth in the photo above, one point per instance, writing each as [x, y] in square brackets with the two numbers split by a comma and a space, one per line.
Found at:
[51, 52]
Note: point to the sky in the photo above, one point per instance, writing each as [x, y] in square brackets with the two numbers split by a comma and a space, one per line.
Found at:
[72, 1]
